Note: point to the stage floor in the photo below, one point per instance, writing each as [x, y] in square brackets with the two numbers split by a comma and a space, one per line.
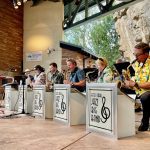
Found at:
[27, 133]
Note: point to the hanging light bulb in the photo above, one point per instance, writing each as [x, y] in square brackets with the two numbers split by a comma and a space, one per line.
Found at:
[24, 1]
[18, 2]
[15, 4]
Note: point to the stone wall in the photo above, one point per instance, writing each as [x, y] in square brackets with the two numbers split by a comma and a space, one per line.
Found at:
[133, 26]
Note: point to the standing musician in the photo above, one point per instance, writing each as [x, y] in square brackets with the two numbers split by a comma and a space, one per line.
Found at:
[142, 81]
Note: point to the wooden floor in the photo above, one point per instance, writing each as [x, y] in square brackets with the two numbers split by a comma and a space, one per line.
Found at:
[27, 133]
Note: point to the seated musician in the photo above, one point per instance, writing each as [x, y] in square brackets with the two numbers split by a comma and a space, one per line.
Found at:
[141, 81]
[77, 76]
[54, 76]
[29, 77]
[105, 74]
[40, 76]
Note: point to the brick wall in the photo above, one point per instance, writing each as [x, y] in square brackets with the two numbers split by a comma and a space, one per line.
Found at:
[11, 36]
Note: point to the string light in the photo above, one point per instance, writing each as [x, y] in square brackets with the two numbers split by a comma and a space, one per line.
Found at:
[18, 3]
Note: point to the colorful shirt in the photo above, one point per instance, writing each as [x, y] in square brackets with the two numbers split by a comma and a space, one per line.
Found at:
[142, 74]
[106, 76]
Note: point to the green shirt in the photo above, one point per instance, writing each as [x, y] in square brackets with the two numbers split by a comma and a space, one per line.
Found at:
[106, 76]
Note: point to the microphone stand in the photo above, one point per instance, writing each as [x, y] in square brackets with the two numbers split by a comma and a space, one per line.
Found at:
[23, 83]
[23, 78]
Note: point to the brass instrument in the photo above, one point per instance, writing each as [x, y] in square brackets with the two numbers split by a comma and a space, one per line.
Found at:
[126, 75]
[91, 74]
[66, 74]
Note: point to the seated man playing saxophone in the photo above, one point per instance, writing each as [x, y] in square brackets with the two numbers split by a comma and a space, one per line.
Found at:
[141, 81]
[53, 76]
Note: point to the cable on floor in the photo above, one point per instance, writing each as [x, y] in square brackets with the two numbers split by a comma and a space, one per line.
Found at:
[75, 141]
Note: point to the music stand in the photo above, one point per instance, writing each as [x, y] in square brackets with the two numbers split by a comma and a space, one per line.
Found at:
[123, 66]
[17, 80]
[23, 79]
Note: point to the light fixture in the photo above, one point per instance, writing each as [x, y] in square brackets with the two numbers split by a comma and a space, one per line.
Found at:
[18, 2]
[15, 4]
[50, 50]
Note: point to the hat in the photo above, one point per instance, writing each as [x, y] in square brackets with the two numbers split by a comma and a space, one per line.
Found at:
[27, 70]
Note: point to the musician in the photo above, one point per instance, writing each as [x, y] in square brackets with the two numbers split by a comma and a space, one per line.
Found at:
[77, 76]
[29, 77]
[54, 76]
[105, 74]
[40, 76]
[141, 80]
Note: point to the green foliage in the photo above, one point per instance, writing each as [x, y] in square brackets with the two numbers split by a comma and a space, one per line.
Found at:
[99, 36]
[105, 40]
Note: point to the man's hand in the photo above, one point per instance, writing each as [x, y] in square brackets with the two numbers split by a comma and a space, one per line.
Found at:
[67, 82]
[129, 83]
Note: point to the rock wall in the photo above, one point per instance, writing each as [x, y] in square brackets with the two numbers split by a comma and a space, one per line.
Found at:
[133, 26]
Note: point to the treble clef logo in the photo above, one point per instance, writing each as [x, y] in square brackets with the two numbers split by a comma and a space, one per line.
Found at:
[63, 105]
[40, 101]
[105, 111]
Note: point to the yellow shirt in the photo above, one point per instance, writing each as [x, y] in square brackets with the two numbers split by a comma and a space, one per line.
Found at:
[142, 74]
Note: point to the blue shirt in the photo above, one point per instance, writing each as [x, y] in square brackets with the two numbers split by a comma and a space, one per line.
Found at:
[76, 76]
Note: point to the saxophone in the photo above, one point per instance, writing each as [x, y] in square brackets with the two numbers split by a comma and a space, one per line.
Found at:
[126, 75]
[66, 74]
[91, 76]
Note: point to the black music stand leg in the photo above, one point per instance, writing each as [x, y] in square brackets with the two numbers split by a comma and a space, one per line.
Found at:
[23, 83]
[23, 109]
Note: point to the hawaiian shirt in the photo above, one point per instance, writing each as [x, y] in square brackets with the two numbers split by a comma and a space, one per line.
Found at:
[106, 76]
[142, 74]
